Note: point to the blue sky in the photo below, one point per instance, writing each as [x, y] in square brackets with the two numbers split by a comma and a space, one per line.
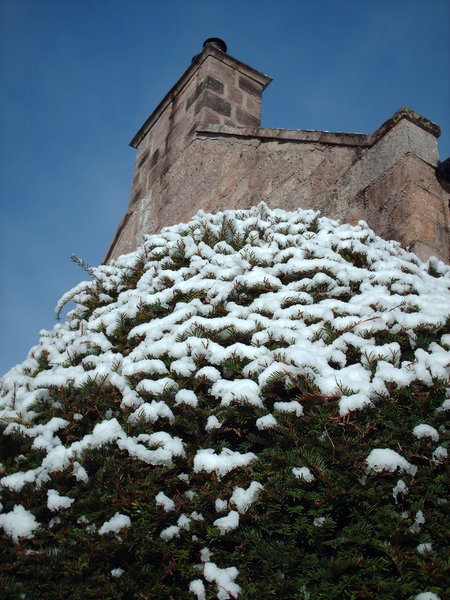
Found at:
[79, 77]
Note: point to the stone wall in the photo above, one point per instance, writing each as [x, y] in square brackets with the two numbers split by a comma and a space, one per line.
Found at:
[202, 148]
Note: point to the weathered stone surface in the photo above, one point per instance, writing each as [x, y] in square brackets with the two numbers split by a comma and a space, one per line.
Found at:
[209, 83]
[202, 148]
[249, 87]
[245, 118]
[216, 103]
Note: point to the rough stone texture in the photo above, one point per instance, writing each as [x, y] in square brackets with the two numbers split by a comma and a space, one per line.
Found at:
[203, 148]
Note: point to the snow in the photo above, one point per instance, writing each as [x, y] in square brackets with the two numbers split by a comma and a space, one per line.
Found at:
[419, 520]
[184, 522]
[243, 498]
[19, 523]
[56, 502]
[224, 579]
[195, 516]
[228, 523]
[164, 501]
[212, 422]
[197, 588]
[205, 555]
[439, 454]
[221, 505]
[238, 390]
[186, 397]
[424, 548]
[303, 473]
[152, 412]
[422, 430]
[115, 524]
[170, 532]
[177, 366]
[79, 472]
[289, 407]
[400, 488]
[385, 459]
[207, 460]
[209, 373]
[266, 422]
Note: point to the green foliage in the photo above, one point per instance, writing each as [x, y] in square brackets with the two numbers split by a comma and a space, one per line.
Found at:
[344, 534]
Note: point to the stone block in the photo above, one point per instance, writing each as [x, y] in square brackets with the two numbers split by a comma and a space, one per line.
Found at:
[209, 83]
[253, 105]
[249, 86]
[419, 201]
[234, 95]
[246, 119]
[416, 228]
[217, 69]
[216, 103]
[209, 116]
[143, 158]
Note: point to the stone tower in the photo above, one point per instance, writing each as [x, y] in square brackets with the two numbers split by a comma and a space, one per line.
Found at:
[203, 148]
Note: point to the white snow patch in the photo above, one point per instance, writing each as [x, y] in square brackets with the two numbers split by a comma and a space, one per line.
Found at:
[56, 502]
[207, 460]
[440, 454]
[186, 397]
[228, 523]
[399, 488]
[266, 422]
[197, 588]
[243, 498]
[170, 532]
[164, 501]
[238, 390]
[419, 520]
[212, 423]
[424, 548]
[221, 505]
[19, 523]
[289, 407]
[303, 473]
[423, 430]
[115, 524]
[224, 579]
[384, 459]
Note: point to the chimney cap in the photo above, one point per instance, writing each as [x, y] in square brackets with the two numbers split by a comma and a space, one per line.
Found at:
[216, 42]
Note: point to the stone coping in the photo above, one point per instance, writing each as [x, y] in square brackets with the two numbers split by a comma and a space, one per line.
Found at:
[199, 59]
[322, 137]
[405, 113]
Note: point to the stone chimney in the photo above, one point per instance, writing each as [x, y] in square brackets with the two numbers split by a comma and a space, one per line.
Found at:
[203, 148]
[215, 89]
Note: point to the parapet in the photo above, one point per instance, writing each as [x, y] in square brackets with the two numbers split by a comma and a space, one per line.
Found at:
[203, 148]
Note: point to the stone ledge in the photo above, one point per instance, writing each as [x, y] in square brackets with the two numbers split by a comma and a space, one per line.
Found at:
[404, 113]
[332, 138]
[284, 135]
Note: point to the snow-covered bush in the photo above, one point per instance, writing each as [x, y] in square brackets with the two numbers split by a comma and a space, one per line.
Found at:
[281, 369]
